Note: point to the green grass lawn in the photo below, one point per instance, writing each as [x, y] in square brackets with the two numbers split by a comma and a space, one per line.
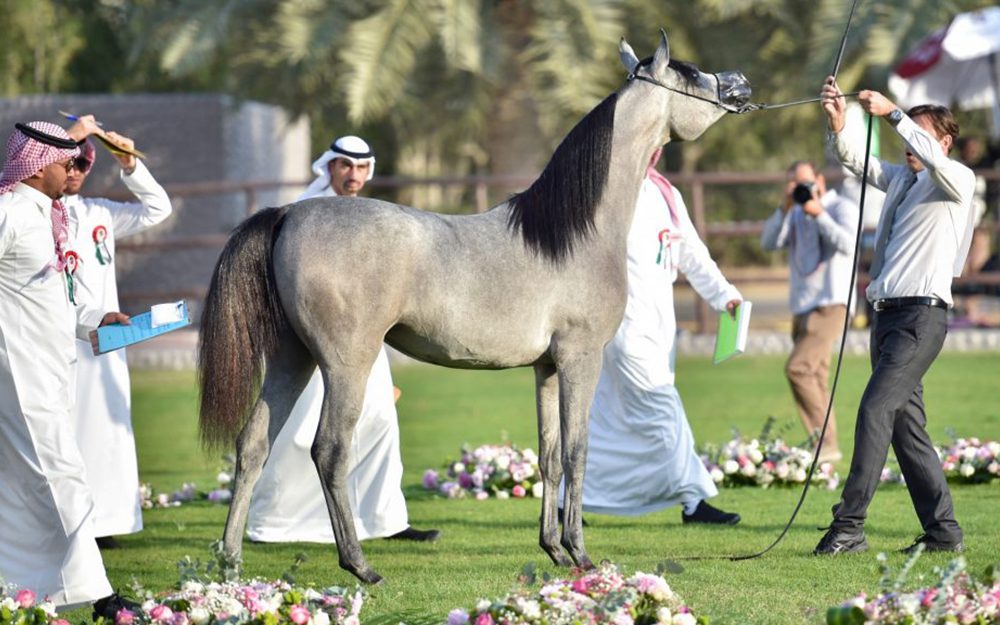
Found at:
[485, 544]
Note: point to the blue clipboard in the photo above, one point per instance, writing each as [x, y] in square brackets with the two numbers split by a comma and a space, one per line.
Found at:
[116, 336]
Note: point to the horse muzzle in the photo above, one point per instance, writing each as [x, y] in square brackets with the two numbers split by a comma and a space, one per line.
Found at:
[734, 91]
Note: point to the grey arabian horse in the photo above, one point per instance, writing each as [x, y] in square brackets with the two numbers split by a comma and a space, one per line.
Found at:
[537, 281]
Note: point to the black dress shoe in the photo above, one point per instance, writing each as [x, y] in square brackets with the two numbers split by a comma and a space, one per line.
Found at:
[837, 541]
[108, 542]
[108, 607]
[934, 545]
[709, 514]
[410, 533]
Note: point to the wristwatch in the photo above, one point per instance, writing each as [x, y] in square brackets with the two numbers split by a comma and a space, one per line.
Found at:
[895, 116]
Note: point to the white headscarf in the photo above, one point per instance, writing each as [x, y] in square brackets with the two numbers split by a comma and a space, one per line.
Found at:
[354, 149]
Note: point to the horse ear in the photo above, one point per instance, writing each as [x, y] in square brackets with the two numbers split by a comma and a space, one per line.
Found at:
[662, 56]
[627, 55]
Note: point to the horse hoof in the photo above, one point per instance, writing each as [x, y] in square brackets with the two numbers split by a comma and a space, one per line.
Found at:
[584, 562]
[369, 577]
[559, 558]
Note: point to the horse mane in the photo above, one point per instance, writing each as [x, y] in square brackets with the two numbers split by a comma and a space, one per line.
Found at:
[557, 210]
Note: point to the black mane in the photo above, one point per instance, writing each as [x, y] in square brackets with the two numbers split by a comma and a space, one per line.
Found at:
[558, 209]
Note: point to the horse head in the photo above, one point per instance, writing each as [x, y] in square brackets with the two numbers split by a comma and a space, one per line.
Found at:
[696, 100]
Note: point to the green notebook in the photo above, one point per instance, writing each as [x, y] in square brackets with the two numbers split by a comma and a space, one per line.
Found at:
[732, 336]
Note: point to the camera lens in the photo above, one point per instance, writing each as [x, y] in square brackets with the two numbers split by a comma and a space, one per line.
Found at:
[802, 193]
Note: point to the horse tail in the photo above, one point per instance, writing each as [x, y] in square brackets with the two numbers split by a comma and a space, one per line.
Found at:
[241, 323]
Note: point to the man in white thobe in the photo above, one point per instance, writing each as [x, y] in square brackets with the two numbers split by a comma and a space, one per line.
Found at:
[46, 531]
[641, 455]
[288, 503]
[102, 413]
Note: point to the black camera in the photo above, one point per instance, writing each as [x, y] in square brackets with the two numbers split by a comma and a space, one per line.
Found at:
[803, 192]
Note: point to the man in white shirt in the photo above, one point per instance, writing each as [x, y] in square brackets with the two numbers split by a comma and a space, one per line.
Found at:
[641, 455]
[102, 413]
[46, 531]
[921, 243]
[288, 503]
[817, 226]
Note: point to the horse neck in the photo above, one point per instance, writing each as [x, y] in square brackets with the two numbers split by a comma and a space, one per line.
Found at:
[630, 151]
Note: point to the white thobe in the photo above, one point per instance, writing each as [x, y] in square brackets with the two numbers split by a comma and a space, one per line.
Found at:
[288, 503]
[102, 413]
[641, 455]
[46, 530]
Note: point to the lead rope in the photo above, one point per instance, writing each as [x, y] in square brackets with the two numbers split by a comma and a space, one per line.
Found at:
[847, 313]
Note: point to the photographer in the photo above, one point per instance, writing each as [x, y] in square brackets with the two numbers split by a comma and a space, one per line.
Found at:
[817, 226]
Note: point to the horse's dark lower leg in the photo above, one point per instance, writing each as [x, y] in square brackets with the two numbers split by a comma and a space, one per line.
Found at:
[342, 404]
[287, 375]
[547, 403]
[577, 381]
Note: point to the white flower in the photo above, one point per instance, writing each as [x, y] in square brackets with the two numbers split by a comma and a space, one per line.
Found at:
[684, 618]
[765, 479]
[320, 618]
[191, 586]
[482, 605]
[503, 461]
[755, 456]
[730, 467]
[8, 603]
[799, 475]
[969, 453]
[994, 468]
[199, 615]
[966, 470]
[748, 470]
[48, 607]
[223, 478]
[537, 489]
[458, 468]
[717, 475]
[663, 616]
[781, 470]
[352, 620]
[530, 456]
[502, 494]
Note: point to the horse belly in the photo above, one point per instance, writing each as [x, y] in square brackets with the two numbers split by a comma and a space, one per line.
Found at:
[490, 349]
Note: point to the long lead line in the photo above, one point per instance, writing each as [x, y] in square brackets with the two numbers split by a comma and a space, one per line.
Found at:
[847, 314]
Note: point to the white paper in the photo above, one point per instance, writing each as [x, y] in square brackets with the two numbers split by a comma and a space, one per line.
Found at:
[162, 314]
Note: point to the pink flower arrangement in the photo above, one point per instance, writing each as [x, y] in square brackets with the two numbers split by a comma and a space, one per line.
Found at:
[957, 598]
[502, 471]
[20, 606]
[189, 491]
[764, 463]
[966, 460]
[602, 595]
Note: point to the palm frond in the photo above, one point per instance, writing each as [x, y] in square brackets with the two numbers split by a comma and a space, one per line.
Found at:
[460, 33]
[378, 54]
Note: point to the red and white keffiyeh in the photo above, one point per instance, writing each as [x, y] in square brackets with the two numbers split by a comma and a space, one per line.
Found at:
[26, 156]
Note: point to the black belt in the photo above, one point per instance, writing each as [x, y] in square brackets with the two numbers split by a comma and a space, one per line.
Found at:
[899, 302]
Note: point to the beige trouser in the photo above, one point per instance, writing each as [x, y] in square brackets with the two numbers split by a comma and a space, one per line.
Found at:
[808, 368]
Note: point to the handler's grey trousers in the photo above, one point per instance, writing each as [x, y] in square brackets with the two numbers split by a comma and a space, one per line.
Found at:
[904, 343]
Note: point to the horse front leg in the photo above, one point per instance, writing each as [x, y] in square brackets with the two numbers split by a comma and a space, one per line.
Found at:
[577, 381]
[547, 404]
[343, 401]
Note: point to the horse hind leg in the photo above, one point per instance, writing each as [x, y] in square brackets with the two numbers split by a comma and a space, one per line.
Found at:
[547, 400]
[343, 402]
[287, 374]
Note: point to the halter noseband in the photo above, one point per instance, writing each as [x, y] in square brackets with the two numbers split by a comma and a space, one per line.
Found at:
[718, 93]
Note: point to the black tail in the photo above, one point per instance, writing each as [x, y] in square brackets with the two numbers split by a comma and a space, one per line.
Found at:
[240, 325]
